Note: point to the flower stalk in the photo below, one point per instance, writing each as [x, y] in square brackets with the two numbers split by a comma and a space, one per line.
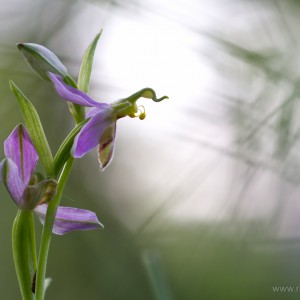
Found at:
[47, 231]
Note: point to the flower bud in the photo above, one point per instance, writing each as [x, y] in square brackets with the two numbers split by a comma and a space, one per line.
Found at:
[42, 60]
[38, 193]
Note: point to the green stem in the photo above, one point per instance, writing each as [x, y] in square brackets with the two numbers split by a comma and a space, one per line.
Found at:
[24, 251]
[32, 243]
[79, 116]
[63, 153]
[47, 230]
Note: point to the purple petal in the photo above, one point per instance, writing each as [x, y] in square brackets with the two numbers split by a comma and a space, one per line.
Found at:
[107, 146]
[69, 219]
[19, 148]
[93, 111]
[13, 182]
[90, 134]
[73, 95]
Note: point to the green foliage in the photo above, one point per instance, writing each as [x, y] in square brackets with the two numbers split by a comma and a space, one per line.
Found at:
[24, 253]
[87, 64]
[35, 130]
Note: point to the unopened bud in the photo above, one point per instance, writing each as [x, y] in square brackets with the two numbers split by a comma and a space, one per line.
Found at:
[42, 60]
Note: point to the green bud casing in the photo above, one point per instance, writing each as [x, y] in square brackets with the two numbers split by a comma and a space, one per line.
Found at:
[24, 253]
[42, 60]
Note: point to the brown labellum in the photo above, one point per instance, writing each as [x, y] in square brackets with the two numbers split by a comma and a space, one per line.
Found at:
[106, 146]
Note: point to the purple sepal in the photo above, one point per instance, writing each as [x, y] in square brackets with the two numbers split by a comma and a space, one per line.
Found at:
[91, 133]
[19, 148]
[12, 181]
[16, 169]
[72, 94]
[69, 219]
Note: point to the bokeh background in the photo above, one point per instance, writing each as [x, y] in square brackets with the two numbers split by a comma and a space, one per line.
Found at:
[202, 198]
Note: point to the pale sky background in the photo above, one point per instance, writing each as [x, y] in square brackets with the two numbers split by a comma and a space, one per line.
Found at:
[183, 155]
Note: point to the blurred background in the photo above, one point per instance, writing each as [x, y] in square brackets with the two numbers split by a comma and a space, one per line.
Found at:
[202, 198]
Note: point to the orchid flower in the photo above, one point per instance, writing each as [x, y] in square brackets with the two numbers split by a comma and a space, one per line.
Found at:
[100, 130]
[30, 192]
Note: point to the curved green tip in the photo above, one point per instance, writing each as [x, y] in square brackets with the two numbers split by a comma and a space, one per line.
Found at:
[161, 99]
[145, 93]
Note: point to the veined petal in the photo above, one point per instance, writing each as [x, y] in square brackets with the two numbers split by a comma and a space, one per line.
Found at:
[73, 95]
[69, 219]
[106, 146]
[19, 148]
[12, 181]
[91, 133]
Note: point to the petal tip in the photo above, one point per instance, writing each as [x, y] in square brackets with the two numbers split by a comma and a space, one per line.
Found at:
[69, 219]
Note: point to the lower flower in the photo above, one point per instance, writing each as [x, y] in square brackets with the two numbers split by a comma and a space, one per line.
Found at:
[30, 191]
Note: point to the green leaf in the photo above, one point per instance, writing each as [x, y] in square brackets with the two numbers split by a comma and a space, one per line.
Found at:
[23, 246]
[63, 152]
[87, 64]
[76, 110]
[35, 130]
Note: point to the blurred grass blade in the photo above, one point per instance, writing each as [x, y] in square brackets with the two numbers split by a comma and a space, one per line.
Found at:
[63, 152]
[87, 64]
[35, 130]
[156, 275]
[47, 284]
